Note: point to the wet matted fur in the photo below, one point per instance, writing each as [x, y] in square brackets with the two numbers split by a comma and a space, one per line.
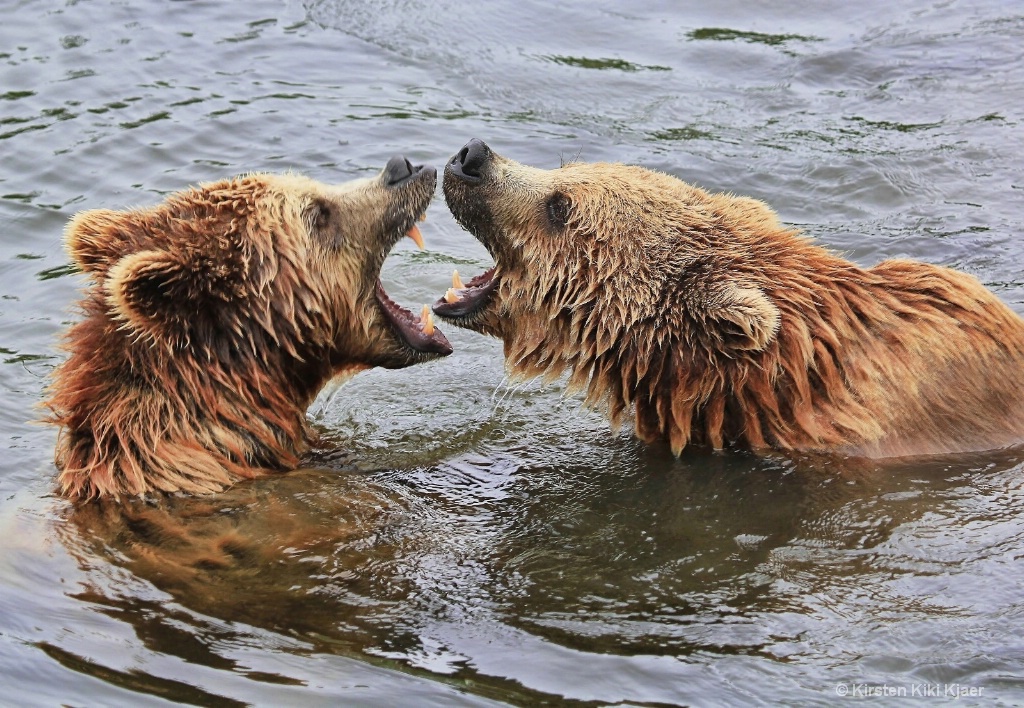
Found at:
[711, 323]
[211, 321]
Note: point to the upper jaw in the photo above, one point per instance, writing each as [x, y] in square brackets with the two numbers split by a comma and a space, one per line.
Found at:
[468, 178]
[409, 193]
[466, 175]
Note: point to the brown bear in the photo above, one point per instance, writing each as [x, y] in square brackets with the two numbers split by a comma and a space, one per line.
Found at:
[715, 325]
[212, 320]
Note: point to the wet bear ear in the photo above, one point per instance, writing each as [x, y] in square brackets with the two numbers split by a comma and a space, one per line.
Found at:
[97, 238]
[153, 293]
[750, 319]
[738, 315]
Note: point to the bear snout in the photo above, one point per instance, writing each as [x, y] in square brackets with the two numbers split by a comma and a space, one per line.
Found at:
[468, 164]
[399, 170]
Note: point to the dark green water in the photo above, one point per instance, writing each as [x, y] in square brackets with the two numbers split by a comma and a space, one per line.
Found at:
[478, 542]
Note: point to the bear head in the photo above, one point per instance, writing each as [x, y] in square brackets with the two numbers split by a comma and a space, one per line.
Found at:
[600, 269]
[213, 319]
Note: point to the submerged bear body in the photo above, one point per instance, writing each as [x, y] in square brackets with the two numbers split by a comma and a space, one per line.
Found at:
[211, 321]
[710, 323]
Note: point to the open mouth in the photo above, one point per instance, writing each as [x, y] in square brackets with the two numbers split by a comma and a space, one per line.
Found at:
[464, 300]
[418, 332]
[464, 303]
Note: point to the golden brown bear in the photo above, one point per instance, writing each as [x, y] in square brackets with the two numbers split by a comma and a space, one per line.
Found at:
[212, 320]
[714, 324]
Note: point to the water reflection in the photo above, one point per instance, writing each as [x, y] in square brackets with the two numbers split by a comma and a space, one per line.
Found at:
[721, 34]
[604, 63]
[445, 569]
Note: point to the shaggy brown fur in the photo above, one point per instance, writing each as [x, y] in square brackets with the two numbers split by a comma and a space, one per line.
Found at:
[713, 324]
[212, 320]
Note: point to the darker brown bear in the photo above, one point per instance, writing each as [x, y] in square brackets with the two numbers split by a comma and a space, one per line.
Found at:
[212, 320]
[713, 324]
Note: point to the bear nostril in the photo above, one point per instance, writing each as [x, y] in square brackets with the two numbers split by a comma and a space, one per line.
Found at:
[472, 158]
[398, 169]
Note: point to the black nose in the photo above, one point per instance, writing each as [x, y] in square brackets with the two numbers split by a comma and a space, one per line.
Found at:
[469, 162]
[398, 169]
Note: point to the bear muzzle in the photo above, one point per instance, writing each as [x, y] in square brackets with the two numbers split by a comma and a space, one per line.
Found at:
[469, 163]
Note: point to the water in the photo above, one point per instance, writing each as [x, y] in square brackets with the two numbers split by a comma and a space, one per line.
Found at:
[472, 542]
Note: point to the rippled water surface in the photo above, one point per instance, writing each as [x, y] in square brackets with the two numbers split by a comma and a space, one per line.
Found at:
[472, 542]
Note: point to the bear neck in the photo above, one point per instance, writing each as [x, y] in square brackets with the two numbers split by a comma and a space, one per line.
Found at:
[805, 390]
[143, 418]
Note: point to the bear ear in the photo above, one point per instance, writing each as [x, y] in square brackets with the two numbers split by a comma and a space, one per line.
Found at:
[751, 319]
[738, 315]
[97, 238]
[150, 291]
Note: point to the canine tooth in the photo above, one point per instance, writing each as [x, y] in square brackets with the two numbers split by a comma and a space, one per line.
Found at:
[428, 320]
[451, 296]
[416, 236]
[457, 281]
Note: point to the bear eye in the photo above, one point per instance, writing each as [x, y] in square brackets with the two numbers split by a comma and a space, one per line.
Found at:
[318, 215]
[558, 208]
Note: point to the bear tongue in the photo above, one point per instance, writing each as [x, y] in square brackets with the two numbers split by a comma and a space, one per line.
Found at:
[418, 333]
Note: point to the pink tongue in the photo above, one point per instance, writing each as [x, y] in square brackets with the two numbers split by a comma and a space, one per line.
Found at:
[411, 328]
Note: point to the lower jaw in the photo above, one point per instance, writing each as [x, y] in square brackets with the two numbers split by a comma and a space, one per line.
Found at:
[463, 304]
[416, 334]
